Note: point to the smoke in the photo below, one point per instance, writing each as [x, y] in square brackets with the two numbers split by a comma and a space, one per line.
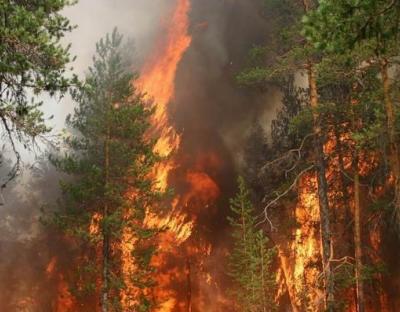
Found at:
[208, 97]
[211, 111]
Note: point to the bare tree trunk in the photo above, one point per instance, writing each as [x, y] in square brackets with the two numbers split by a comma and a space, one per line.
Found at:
[326, 235]
[325, 227]
[105, 228]
[357, 239]
[393, 144]
[342, 181]
[360, 297]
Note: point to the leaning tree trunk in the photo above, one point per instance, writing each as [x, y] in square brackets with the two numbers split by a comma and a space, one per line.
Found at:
[326, 235]
[393, 143]
[105, 227]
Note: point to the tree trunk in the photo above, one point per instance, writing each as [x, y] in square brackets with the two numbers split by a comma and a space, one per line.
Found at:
[342, 181]
[345, 219]
[393, 144]
[105, 228]
[357, 125]
[325, 228]
[357, 239]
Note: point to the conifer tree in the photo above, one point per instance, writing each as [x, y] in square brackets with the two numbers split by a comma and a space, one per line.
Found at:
[33, 62]
[109, 160]
[251, 258]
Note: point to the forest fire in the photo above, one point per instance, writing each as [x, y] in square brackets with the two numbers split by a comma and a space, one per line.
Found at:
[278, 182]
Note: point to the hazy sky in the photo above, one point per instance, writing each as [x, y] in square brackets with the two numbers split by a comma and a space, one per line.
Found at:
[138, 19]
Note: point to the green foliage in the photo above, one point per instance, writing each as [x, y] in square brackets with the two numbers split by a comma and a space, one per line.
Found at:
[301, 124]
[341, 25]
[109, 160]
[253, 76]
[251, 258]
[32, 62]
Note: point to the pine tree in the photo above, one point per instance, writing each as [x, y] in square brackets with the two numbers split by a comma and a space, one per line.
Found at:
[109, 160]
[251, 259]
[32, 62]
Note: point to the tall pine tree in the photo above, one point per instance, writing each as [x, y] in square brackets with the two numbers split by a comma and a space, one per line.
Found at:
[105, 205]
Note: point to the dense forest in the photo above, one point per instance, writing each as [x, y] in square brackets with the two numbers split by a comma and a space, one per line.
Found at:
[232, 156]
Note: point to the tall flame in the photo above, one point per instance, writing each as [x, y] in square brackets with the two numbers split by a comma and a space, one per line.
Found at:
[158, 82]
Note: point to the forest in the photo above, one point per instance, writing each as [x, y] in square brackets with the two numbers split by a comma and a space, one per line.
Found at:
[199, 156]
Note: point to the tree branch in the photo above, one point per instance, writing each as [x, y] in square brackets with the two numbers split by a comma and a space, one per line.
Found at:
[16, 168]
[281, 195]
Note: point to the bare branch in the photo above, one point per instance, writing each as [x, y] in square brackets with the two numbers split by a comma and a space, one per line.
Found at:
[280, 196]
[288, 154]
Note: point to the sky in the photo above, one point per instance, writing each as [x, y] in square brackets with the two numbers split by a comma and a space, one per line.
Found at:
[137, 19]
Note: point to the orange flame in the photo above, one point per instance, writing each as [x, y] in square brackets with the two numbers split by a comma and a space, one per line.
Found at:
[158, 83]
[64, 301]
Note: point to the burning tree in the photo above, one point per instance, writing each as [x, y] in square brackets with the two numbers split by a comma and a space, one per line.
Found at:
[104, 207]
